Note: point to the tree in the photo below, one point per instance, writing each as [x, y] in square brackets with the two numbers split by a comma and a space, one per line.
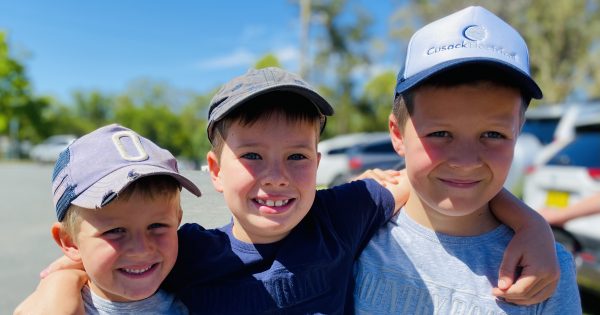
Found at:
[343, 45]
[269, 60]
[563, 38]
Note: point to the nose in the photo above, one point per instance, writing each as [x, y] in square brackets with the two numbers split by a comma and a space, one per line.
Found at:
[139, 244]
[465, 155]
[275, 175]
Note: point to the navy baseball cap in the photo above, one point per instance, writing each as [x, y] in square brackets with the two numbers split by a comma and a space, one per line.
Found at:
[257, 82]
[95, 168]
[473, 35]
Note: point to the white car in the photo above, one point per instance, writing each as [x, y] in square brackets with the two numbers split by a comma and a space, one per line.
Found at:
[571, 173]
[48, 151]
[540, 129]
[334, 158]
[547, 129]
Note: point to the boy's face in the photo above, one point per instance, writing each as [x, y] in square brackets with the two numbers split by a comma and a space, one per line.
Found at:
[267, 174]
[458, 145]
[129, 246]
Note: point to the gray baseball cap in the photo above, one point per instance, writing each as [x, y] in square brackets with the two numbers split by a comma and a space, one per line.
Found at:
[473, 35]
[95, 168]
[257, 82]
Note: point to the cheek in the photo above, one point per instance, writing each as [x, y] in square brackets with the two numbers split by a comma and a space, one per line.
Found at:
[168, 245]
[501, 157]
[99, 256]
[422, 157]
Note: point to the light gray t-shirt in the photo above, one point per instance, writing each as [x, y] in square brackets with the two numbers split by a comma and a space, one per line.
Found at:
[409, 269]
[159, 303]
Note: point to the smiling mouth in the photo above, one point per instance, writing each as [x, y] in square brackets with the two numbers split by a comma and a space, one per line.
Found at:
[460, 183]
[272, 203]
[137, 271]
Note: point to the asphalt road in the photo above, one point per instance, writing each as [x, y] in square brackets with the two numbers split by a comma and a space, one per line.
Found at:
[26, 214]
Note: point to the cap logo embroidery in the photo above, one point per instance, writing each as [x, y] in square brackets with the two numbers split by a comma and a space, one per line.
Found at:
[475, 33]
[141, 153]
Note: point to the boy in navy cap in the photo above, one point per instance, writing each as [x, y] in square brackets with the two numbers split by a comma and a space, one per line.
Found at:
[458, 109]
[117, 202]
[292, 247]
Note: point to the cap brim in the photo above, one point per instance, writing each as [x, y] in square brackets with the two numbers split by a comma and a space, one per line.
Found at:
[523, 80]
[107, 188]
[322, 105]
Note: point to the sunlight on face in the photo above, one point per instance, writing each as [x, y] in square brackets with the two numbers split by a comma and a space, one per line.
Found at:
[267, 173]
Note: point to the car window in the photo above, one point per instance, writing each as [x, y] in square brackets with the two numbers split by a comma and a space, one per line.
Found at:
[337, 151]
[383, 147]
[543, 129]
[582, 151]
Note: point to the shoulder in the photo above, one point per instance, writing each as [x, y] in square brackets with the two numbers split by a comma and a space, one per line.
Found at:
[359, 192]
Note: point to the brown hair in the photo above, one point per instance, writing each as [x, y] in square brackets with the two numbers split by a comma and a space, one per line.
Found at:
[294, 107]
[150, 187]
[473, 74]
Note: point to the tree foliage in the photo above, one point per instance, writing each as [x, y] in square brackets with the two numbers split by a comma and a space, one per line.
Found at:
[563, 38]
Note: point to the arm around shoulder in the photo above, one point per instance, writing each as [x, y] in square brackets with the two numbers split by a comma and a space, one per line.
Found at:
[64, 286]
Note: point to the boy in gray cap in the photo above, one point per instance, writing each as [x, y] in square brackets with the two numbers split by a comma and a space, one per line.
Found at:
[289, 249]
[117, 202]
[458, 109]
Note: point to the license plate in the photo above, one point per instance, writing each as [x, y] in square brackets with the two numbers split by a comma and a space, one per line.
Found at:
[557, 199]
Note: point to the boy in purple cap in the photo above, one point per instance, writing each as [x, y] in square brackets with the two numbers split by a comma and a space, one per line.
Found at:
[459, 107]
[289, 249]
[117, 202]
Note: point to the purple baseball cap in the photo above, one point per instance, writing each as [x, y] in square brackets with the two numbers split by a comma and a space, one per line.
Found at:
[473, 35]
[95, 168]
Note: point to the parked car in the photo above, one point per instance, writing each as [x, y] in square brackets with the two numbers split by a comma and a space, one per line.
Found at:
[49, 149]
[377, 153]
[334, 158]
[571, 173]
[547, 129]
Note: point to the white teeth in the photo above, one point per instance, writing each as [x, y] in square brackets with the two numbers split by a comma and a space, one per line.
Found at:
[137, 271]
[273, 203]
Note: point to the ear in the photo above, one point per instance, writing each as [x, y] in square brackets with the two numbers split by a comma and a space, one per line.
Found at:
[396, 134]
[318, 158]
[214, 169]
[65, 242]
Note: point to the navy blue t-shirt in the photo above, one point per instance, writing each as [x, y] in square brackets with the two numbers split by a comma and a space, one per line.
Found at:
[307, 272]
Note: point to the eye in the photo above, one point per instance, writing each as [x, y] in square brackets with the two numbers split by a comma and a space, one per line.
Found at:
[297, 156]
[492, 135]
[114, 233]
[251, 156]
[439, 134]
[157, 226]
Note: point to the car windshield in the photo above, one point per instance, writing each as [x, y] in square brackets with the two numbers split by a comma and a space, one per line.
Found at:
[543, 129]
[583, 151]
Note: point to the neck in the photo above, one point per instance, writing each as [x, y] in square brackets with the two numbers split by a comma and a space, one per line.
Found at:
[476, 222]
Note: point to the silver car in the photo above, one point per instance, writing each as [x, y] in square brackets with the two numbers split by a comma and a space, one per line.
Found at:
[48, 151]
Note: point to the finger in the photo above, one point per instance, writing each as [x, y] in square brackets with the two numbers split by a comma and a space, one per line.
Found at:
[523, 288]
[61, 263]
[539, 297]
[506, 274]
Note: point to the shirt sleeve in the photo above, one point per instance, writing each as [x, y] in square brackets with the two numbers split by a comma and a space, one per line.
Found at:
[566, 298]
[356, 210]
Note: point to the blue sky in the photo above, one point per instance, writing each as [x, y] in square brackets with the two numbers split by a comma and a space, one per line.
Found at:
[197, 45]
